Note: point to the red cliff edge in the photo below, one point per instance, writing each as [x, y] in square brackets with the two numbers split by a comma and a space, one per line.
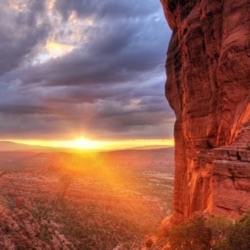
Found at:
[208, 86]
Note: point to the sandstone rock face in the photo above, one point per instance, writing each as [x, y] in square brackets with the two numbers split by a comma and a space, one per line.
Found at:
[208, 86]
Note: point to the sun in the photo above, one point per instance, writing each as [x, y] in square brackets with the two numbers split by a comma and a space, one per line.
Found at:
[83, 143]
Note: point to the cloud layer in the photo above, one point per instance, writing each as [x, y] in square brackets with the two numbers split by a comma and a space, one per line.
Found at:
[76, 67]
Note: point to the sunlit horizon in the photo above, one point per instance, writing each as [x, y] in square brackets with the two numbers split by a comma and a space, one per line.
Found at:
[83, 143]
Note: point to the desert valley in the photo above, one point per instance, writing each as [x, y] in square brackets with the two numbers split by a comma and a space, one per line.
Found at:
[87, 200]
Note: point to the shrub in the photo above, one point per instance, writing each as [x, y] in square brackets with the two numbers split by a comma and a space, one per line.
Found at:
[220, 227]
[239, 235]
[192, 235]
[211, 233]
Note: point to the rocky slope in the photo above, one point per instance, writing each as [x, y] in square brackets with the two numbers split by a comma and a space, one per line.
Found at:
[208, 86]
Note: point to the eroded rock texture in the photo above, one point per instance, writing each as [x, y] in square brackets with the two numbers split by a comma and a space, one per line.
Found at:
[208, 86]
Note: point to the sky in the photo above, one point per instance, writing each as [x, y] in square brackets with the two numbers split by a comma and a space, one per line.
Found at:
[77, 68]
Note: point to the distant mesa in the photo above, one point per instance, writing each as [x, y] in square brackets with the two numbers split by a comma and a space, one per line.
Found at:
[152, 147]
[13, 146]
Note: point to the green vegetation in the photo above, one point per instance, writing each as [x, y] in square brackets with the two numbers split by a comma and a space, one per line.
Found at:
[239, 235]
[193, 235]
[211, 233]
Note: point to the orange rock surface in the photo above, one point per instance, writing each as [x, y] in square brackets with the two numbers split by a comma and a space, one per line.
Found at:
[208, 86]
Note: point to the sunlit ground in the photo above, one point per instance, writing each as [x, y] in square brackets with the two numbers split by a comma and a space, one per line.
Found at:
[84, 201]
[83, 143]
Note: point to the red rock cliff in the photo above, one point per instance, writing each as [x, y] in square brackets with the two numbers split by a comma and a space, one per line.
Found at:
[208, 86]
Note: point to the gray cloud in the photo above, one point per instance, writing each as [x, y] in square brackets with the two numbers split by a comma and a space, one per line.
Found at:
[111, 8]
[110, 86]
[20, 32]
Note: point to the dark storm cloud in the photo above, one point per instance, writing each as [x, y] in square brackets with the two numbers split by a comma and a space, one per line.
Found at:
[19, 33]
[140, 126]
[115, 53]
[110, 85]
[23, 109]
[86, 94]
[112, 8]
